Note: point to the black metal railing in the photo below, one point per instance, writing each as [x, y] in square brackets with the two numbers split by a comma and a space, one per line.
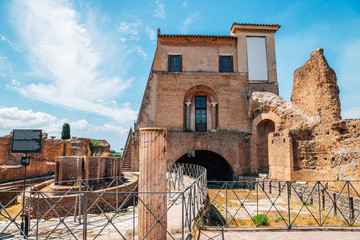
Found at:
[80, 210]
[279, 204]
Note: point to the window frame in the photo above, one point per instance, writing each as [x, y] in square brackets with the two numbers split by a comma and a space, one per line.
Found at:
[180, 62]
[231, 63]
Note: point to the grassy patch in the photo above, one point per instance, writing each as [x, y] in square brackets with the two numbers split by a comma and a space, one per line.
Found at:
[261, 219]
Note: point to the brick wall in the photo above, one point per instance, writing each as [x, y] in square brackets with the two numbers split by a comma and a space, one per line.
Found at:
[43, 163]
[90, 169]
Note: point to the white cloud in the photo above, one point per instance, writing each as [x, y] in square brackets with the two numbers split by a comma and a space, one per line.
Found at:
[184, 4]
[130, 30]
[5, 66]
[12, 118]
[3, 38]
[15, 83]
[110, 128]
[138, 50]
[151, 34]
[160, 9]
[188, 21]
[71, 57]
[80, 124]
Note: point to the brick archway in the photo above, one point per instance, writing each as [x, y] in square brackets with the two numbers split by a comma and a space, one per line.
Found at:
[218, 168]
[262, 125]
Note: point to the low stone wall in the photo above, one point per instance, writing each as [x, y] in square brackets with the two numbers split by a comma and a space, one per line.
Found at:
[43, 162]
[88, 169]
[8, 191]
[36, 168]
[348, 205]
[65, 205]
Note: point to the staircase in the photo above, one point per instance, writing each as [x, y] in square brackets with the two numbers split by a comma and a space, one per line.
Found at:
[126, 166]
[126, 159]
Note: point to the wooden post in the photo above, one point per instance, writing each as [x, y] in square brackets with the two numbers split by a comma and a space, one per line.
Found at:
[152, 180]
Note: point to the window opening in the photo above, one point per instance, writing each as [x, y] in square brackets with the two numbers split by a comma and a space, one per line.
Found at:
[226, 64]
[175, 63]
[200, 114]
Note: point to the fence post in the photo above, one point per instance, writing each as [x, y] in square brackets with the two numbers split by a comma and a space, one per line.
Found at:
[183, 215]
[323, 199]
[352, 216]
[288, 197]
[226, 202]
[85, 217]
[318, 183]
[335, 205]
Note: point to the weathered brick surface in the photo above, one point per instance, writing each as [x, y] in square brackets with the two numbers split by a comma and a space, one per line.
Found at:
[43, 163]
[90, 169]
[322, 145]
[36, 168]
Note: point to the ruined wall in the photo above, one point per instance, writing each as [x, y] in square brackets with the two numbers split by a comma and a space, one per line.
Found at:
[315, 88]
[323, 145]
[44, 163]
[280, 156]
[89, 169]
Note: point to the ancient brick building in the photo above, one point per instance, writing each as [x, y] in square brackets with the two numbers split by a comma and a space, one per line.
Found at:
[199, 88]
[217, 96]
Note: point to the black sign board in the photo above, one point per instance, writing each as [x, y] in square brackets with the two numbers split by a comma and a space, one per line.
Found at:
[26, 141]
[25, 161]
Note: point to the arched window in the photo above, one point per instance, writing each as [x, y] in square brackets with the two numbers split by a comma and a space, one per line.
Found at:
[201, 109]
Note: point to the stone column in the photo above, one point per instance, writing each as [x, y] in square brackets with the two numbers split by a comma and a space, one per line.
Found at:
[187, 126]
[152, 180]
[213, 117]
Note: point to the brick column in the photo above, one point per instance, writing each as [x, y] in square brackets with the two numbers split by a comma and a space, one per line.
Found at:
[213, 116]
[187, 117]
[152, 178]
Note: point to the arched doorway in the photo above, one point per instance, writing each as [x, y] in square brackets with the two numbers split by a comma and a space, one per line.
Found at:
[217, 167]
[263, 129]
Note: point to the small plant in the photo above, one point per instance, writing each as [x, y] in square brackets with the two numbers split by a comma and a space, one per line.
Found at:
[276, 220]
[261, 219]
[219, 207]
[65, 133]
[310, 223]
[95, 142]
[309, 204]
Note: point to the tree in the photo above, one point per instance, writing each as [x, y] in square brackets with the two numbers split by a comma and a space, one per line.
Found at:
[65, 133]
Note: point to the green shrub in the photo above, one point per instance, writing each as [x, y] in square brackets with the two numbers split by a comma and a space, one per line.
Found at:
[260, 219]
[95, 142]
[65, 133]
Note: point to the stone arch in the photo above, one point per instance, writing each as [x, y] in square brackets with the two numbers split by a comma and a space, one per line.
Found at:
[211, 108]
[218, 168]
[262, 125]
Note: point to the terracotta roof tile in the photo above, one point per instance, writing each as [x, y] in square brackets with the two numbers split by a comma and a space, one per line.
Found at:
[195, 36]
[256, 24]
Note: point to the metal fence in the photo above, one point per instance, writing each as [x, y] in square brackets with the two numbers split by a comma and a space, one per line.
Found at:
[84, 211]
[279, 204]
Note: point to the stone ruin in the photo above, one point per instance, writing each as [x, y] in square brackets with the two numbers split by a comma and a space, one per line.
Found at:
[310, 140]
[44, 163]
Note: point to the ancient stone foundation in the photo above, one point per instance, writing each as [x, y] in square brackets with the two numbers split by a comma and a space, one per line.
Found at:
[44, 163]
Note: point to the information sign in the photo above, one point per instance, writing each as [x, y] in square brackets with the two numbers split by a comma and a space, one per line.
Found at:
[26, 141]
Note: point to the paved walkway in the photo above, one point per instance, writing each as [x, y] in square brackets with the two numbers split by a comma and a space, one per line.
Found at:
[281, 235]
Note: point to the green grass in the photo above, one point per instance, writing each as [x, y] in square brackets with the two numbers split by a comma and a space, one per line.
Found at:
[95, 142]
[261, 219]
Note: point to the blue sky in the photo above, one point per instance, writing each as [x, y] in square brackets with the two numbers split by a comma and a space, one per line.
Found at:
[87, 62]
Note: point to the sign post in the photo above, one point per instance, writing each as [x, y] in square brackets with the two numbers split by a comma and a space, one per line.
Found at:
[26, 141]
